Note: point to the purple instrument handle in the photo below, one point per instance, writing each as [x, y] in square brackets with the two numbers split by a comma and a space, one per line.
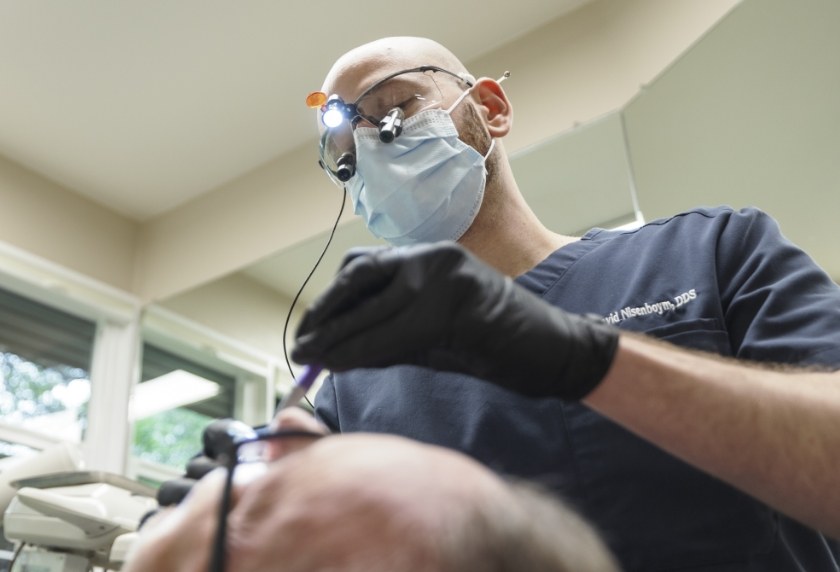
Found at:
[302, 384]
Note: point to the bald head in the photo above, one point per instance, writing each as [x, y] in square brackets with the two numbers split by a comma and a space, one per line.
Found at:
[372, 86]
[360, 502]
[365, 65]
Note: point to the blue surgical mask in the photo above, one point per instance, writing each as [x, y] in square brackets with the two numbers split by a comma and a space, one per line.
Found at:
[425, 186]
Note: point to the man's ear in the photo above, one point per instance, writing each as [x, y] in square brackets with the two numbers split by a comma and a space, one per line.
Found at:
[494, 105]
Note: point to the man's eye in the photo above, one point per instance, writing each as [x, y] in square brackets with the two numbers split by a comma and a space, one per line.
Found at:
[413, 104]
[380, 102]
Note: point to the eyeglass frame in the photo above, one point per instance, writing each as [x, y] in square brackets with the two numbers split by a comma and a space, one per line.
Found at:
[219, 548]
[350, 111]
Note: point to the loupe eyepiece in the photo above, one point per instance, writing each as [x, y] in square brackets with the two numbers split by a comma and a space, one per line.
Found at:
[390, 126]
[345, 166]
[219, 438]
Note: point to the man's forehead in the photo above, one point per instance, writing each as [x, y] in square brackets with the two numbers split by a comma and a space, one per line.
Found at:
[360, 68]
[353, 80]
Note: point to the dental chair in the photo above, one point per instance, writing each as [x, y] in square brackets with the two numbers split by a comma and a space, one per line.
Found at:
[73, 520]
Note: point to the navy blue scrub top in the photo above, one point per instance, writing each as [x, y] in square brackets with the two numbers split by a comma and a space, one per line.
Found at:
[718, 280]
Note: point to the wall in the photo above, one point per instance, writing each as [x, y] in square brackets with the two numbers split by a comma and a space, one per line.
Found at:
[750, 117]
[231, 227]
[569, 71]
[566, 73]
[54, 223]
[566, 77]
[241, 308]
[593, 61]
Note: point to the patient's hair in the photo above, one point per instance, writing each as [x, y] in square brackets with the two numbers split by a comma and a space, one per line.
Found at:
[531, 530]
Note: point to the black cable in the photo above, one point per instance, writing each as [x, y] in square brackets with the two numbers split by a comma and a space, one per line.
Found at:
[305, 282]
[16, 555]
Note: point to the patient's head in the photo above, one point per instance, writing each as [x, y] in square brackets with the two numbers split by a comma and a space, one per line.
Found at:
[375, 503]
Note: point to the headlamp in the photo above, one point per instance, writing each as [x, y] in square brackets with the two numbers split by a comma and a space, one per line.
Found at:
[335, 112]
[333, 109]
[384, 106]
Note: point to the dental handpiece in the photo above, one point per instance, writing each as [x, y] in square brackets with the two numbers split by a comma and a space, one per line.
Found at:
[302, 384]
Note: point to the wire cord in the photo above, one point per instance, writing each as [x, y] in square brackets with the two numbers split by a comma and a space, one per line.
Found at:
[302, 286]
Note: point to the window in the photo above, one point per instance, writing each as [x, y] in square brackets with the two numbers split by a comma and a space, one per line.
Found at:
[45, 360]
[171, 433]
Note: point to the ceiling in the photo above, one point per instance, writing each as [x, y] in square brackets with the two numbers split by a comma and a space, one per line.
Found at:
[142, 106]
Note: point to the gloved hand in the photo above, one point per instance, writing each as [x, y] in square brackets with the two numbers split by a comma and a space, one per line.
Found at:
[438, 306]
[217, 448]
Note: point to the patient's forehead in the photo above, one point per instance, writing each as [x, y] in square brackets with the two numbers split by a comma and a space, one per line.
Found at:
[428, 485]
[389, 465]
[359, 494]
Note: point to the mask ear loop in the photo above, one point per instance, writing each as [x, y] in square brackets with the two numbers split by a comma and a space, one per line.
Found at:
[469, 79]
[461, 97]
[489, 150]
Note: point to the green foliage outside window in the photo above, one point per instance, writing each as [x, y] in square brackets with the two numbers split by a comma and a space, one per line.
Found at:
[29, 390]
[170, 438]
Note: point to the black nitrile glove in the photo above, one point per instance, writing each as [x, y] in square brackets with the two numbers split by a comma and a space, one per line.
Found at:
[438, 306]
[217, 442]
